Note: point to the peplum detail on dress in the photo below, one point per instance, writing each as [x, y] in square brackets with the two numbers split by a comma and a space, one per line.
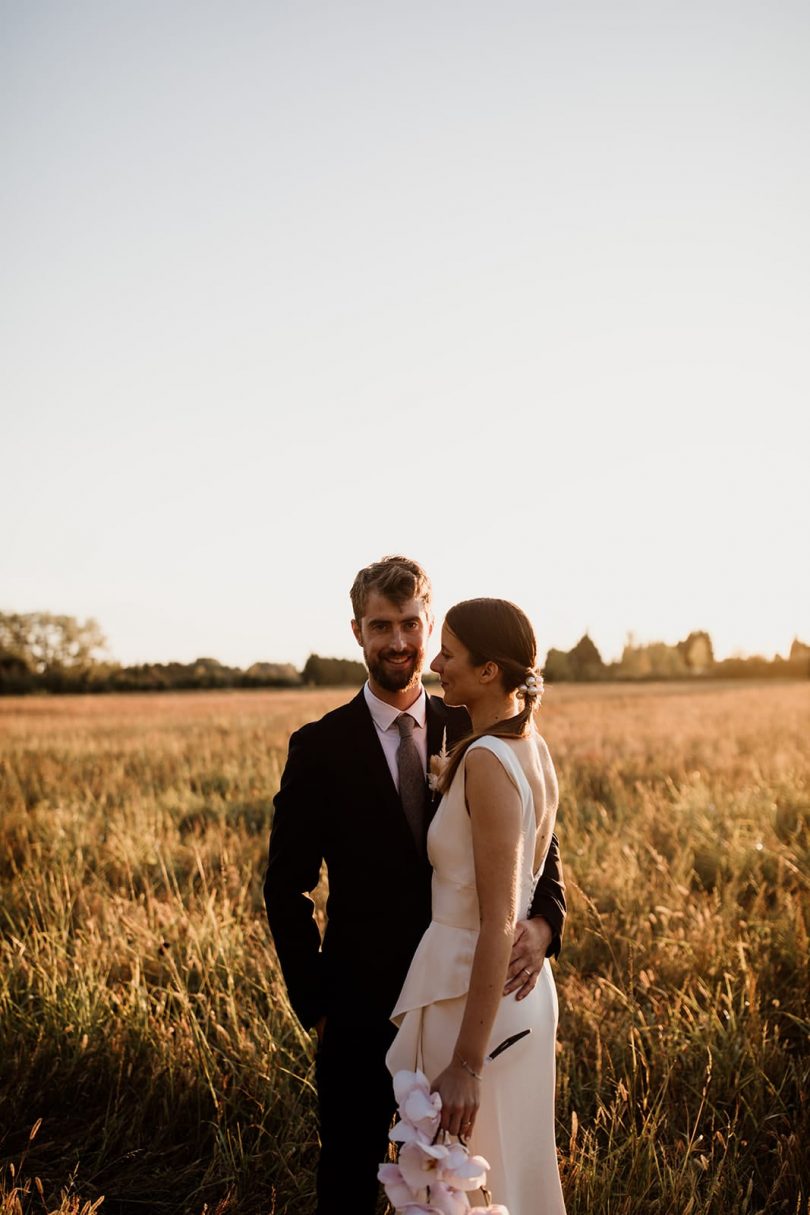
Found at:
[440, 970]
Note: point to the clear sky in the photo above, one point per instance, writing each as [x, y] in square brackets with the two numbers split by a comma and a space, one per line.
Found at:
[521, 290]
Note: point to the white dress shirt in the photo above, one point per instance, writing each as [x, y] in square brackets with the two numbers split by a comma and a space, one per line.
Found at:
[385, 717]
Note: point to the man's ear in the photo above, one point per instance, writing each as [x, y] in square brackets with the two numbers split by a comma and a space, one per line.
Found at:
[358, 636]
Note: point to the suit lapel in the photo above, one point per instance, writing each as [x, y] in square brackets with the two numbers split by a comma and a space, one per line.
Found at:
[436, 720]
[436, 715]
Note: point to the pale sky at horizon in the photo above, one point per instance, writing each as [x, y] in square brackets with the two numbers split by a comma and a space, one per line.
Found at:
[522, 291]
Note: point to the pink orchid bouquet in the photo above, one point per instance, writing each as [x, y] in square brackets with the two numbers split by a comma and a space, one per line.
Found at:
[429, 1178]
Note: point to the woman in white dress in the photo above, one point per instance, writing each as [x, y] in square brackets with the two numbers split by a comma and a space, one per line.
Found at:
[487, 844]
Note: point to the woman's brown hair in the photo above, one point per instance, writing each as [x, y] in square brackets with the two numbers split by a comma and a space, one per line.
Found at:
[494, 630]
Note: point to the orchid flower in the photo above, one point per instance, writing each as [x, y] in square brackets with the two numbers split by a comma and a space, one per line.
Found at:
[418, 1107]
[403, 1132]
[462, 1171]
[397, 1190]
[448, 1200]
[419, 1163]
[405, 1082]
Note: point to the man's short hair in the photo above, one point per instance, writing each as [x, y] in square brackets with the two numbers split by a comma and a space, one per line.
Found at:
[397, 578]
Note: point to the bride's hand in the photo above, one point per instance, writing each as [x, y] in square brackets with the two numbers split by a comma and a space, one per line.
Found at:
[461, 1096]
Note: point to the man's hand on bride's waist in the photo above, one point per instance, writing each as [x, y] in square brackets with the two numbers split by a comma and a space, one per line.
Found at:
[529, 947]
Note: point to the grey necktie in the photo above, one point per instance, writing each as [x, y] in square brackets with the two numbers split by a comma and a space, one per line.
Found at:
[411, 780]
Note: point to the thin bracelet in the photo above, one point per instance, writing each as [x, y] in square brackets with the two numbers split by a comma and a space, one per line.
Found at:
[467, 1068]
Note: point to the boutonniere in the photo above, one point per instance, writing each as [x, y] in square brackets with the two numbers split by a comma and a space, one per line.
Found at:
[437, 765]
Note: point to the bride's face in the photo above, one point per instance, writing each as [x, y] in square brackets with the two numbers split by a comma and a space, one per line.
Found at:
[455, 670]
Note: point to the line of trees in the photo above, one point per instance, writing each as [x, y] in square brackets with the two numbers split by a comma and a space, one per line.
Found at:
[43, 652]
[332, 672]
[691, 658]
[40, 651]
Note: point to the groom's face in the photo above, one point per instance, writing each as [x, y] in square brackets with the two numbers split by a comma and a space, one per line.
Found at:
[393, 637]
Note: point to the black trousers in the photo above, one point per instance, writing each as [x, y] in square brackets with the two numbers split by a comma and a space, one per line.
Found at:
[355, 1105]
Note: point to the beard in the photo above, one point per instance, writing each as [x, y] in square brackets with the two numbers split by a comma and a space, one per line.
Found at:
[395, 679]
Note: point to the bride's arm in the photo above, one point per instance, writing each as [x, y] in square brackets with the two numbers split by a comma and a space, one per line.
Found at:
[496, 817]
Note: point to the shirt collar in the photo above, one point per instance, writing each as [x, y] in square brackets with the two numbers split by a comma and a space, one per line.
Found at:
[384, 715]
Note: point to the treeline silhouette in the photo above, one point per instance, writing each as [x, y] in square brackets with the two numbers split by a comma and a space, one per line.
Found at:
[40, 651]
[691, 658]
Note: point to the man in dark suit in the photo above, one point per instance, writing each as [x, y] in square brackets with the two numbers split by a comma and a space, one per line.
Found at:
[346, 797]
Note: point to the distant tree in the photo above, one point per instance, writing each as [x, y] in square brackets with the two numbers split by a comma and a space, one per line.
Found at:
[557, 667]
[333, 672]
[799, 659]
[313, 672]
[653, 661]
[585, 661]
[210, 673]
[51, 645]
[634, 663]
[666, 661]
[697, 652]
[16, 675]
[272, 674]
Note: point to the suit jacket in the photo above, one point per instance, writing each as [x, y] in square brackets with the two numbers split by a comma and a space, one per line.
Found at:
[337, 802]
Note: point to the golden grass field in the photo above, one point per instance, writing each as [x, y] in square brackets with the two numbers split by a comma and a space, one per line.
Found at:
[148, 1059]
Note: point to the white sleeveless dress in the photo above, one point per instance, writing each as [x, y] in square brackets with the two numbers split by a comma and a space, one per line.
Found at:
[514, 1128]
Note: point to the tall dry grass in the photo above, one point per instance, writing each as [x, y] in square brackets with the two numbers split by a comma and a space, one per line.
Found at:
[143, 1021]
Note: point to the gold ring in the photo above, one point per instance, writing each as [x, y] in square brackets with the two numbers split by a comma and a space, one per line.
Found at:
[526, 971]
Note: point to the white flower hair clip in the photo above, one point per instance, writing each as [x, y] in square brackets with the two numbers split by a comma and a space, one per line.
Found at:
[532, 688]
